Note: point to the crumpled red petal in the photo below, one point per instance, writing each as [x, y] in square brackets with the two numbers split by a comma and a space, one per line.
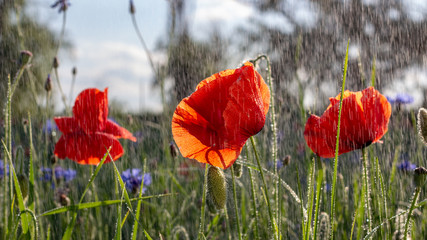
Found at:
[91, 110]
[364, 121]
[227, 108]
[117, 131]
[88, 149]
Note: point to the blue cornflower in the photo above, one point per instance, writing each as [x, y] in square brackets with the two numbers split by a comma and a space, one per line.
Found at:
[406, 166]
[133, 177]
[61, 4]
[60, 174]
[49, 126]
[2, 169]
[401, 98]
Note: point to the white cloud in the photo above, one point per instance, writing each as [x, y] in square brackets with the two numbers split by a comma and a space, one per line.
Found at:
[123, 68]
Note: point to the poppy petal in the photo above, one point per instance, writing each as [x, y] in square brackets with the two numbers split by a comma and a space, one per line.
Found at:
[117, 131]
[364, 120]
[66, 124]
[91, 110]
[227, 108]
[88, 149]
[378, 110]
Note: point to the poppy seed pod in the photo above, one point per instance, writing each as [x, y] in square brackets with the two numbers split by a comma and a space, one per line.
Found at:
[422, 125]
[217, 187]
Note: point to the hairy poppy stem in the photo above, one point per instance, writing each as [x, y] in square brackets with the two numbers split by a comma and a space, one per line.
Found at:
[202, 211]
[236, 210]
[254, 205]
[367, 193]
[270, 212]
[274, 130]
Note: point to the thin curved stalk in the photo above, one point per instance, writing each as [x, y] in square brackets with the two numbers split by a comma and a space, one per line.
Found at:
[408, 219]
[270, 212]
[239, 231]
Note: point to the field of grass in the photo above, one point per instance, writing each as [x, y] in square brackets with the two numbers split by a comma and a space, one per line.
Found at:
[277, 189]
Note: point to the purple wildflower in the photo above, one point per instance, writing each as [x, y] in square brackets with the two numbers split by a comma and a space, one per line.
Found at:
[133, 177]
[401, 98]
[49, 127]
[61, 4]
[406, 166]
[60, 174]
[2, 169]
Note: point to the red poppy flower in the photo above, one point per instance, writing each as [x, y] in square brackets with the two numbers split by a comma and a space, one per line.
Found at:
[87, 135]
[364, 120]
[213, 124]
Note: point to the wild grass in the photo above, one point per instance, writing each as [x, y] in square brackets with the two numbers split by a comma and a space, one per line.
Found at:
[358, 195]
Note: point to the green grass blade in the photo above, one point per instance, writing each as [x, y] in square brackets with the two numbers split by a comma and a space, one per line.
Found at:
[122, 184]
[21, 205]
[318, 191]
[70, 227]
[373, 72]
[118, 235]
[147, 235]
[236, 209]
[138, 206]
[31, 195]
[88, 205]
[334, 180]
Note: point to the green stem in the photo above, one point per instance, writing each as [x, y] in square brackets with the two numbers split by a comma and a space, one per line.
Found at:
[202, 211]
[64, 98]
[235, 204]
[334, 180]
[408, 219]
[270, 213]
[254, 205]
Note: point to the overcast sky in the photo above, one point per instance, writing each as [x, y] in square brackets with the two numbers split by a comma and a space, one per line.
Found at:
[107, 53]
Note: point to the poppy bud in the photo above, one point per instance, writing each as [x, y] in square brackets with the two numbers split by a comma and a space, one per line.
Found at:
[64, 200]
[422, 125]
[420, 176]
[131, 7]
[25, 122]
[286, 160]
[173, 150]
[48, 84]
[25, 58]
[238, 170]
[53, 159]
[55, 62]
[217, 187]
[74, 71]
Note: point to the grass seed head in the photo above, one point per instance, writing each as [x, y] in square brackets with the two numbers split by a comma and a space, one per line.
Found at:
[422, 125]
